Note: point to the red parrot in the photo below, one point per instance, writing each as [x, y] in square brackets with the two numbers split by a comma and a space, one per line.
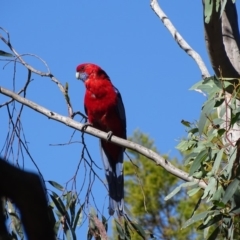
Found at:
[105, 110]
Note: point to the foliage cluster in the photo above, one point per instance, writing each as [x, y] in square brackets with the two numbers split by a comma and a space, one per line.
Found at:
[213, 157]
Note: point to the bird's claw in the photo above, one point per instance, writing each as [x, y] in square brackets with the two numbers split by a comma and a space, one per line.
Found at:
[85, 125]
[109, 135]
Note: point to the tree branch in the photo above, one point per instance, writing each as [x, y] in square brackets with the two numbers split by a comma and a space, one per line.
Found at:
[103, 135]
[63, 89]
[179, 39]
[223, 41]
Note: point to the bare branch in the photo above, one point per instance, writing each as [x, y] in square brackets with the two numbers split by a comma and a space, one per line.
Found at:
[103, 135]
[63, 89]
[179, 39]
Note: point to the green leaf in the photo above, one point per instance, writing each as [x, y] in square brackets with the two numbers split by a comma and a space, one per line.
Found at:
[186, 123]
[198, 175]
[211, 187]
[218, 194]
[138, 229]
[223, 7]
[197, 162]
[68, 234]
[195, 218]
[193, 191]
[190, 157]
[72, 205]
[78, 218]
[214, 234]
[127, 231]
[217, 5]
[5, 54]
[211, 221]
[217, 161]
[120, 230]
[178, 188]
[206, 111]
[61, 208]
[196, 206]
[56, 185]
[232, 157]
[231, 189]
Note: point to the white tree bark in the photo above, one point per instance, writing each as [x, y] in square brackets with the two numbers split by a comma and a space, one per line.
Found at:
[179, 39]
[103, 135]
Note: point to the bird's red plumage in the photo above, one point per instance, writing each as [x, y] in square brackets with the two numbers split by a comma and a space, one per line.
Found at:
[102, 107]
[101, 104]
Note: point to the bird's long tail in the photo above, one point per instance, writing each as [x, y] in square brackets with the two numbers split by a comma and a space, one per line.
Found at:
[114, 175]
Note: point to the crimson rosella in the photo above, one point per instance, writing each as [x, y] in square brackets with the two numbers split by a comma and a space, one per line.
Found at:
[105, 110]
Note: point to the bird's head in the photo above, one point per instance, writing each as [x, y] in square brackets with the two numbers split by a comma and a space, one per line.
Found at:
[86, 70]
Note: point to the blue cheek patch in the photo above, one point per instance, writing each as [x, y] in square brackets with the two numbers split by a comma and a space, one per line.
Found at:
[83, 76]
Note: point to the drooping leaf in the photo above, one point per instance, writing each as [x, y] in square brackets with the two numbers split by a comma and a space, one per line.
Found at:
[186, 123]
[78, 218]
[120, 230]
[232, 157]
[138, 229]
[5, 54]
[197, 161]
[193, 191]
[196, 207]
[217, 161]
[208, 10]
[178, 188]
[56, 185]
[214, 234]
[223, 6]
[210, 222]
[195, 218]
[206, 111]
[211, 187]
[231, 189]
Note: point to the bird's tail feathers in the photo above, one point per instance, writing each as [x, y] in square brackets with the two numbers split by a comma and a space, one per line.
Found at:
[117, 206]
[114, 175]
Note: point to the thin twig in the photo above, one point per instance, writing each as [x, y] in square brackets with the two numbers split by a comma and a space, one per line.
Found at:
[103, 135]
[179, 39]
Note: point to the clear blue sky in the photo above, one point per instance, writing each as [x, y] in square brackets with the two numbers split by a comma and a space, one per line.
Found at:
[130, 43]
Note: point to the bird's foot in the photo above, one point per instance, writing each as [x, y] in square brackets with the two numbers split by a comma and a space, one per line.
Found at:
[109, 135]
[85, 125]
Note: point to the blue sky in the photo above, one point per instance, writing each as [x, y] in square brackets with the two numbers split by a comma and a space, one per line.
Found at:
[130, 43]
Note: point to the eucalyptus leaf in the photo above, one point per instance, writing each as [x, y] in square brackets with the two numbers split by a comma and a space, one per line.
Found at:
[59, 204]
[217, 5]
[195, 218]
[197, 162]
[210, 222]
[232, 157]
[178, 188]
[193, 191]
[217, 161]
[138, 229]
[211, 187]
[5, 54]
[78, 218]
[223, 6]
[206, 111]
[214, 234]
[231, 189]
[56, 185]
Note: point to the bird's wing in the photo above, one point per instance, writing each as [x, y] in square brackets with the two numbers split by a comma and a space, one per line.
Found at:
[121, 110]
